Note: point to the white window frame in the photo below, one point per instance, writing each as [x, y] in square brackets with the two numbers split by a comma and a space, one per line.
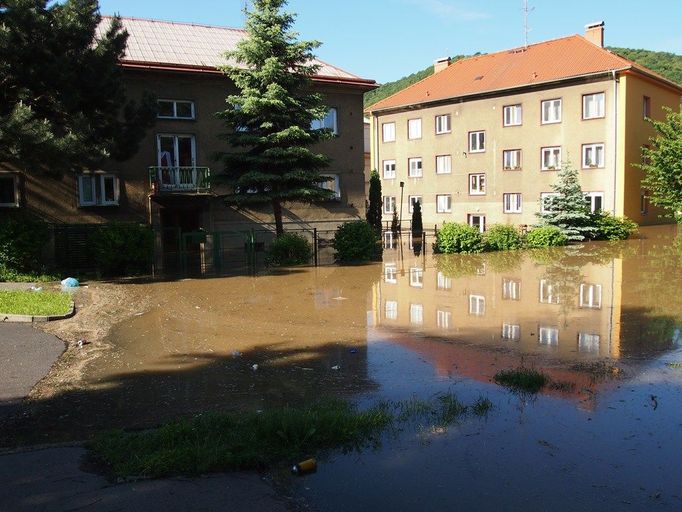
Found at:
[477, 184]
[592, 198]
[329, 121]
[414, 128]
[334, 186]
[477, 141]
[97, 184]
[598, 99]
[551, 162]
[391, 273]
[389, 204]
[443, 318]
[548, 336]
[443, 164]
[176, 148]
[443, 124]
[411, 200]
[391, 310]
[511, 289]
[554, 114]
[588, 342]
[476, 305]
[84, 178]
[595, 150]
[15, 187]
[547, 294]
[389, 169]
[175, 103]
[544, 196]
[511, 159]
[102, 200]
[481, 221]
[512, 202]
[512, 115]
[389, 240]
[414, 167]
[417, 277]
[511, 332]
[443, 282]
[416, 314]
[590, 296]
[443, 203]
[388, 132]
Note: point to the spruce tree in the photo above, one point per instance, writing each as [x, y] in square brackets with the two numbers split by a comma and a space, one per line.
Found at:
[62, 102]
[568, 210]
[373, 214]
[270, 116]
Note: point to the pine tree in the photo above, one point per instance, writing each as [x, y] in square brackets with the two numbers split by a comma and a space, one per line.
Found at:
[373, 214]
[417, 225]
[62, 101]
[271, 115]
[568, 210]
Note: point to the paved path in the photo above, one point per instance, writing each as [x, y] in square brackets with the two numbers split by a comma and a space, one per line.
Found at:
[26, 356]
[51, 480]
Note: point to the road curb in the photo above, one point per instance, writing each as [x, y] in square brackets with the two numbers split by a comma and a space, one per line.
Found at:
[37, 318]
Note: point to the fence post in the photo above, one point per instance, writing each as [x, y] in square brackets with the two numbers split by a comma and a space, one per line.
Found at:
[315, 245]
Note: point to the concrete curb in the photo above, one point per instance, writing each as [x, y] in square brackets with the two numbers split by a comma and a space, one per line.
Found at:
[37, 318]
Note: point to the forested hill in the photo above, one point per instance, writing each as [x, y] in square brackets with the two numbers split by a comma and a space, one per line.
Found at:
[667, 64]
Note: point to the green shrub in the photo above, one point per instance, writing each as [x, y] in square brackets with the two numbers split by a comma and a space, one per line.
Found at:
[613, 228]
[289, 249]
[545, 236]
[458, 238]
[121, 249]
[501, 237]
[355, 241]
[22, 239]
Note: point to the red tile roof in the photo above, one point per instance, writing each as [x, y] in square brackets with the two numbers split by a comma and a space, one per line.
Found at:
[549, 61]
[190, 47]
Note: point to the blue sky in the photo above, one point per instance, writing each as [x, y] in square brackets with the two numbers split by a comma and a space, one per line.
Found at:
[387, 39]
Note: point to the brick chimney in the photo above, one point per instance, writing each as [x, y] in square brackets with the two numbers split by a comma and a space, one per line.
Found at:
[441, 64]
[594, 33]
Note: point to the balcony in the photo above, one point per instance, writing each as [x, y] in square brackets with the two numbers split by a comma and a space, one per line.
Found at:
[179, 180]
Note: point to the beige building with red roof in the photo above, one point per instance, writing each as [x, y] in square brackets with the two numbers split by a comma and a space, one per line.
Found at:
[481, 140]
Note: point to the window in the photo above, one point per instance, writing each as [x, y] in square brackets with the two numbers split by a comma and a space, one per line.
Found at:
[551, 111]
[443, 203]
[512, 115]
[9, 190]
[389, 204]
[443, 282]
[443, 318]
[443, 164]
[412, 201]
[388, 131]
[328, 122]
[389, 169]
[98, 190]
[548, 336]
[593, 155]
[476, 142]
[546, 201]
[511, 332]
[332, 184]
[175, 109]
[443, 124]
[511, 159]
[477, 305]
[511, 289]
[593, 105]
[646, 107]
[551, 158]
[417, 277]
[477, 184]
[389, 240]
[175, 151]
[477, 221]
[588, 343]
[391, 311]
[416, 314]
[644, 202]
[595, 201]
[511, 202]
[414, 166]
[390, 273]
[414, 128]
[548, 292]
[590, 296]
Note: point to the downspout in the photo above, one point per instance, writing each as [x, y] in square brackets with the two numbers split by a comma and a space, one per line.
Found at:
[615, 141]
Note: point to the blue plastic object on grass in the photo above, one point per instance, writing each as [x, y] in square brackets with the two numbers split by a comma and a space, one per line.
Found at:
[70, 282]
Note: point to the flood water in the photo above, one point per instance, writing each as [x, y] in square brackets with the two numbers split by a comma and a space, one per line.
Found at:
[603, 319]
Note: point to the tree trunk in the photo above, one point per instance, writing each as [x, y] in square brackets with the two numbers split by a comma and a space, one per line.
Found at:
[277, 210]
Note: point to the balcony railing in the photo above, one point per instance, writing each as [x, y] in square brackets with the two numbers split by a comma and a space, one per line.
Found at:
[179, 180]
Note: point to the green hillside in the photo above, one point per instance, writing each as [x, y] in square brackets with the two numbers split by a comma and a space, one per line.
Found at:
[667, 64]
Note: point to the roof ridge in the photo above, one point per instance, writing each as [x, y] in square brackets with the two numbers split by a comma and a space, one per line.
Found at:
[170, 22]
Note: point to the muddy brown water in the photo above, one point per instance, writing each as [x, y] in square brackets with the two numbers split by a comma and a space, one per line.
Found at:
[602, 319]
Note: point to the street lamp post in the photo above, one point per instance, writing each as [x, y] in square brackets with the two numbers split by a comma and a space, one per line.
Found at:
[400, 219]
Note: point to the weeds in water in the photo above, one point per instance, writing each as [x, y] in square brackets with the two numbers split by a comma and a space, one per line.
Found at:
[522, 379]
[482, 406]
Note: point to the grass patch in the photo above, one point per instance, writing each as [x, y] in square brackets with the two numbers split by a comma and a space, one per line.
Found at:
[522, 379]
[34, 303]
[229, 441]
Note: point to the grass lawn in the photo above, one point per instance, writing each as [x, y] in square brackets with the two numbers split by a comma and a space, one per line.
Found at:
[34, 303]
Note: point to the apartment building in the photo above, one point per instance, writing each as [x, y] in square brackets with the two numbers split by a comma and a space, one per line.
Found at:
[482, 139]
[167, 183]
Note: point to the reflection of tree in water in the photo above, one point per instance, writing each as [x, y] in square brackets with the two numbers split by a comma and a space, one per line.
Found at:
[563, 274]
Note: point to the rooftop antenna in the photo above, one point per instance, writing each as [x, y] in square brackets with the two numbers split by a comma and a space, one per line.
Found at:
[526, 29]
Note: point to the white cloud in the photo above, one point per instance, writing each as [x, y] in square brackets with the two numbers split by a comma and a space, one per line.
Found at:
[448, 9]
